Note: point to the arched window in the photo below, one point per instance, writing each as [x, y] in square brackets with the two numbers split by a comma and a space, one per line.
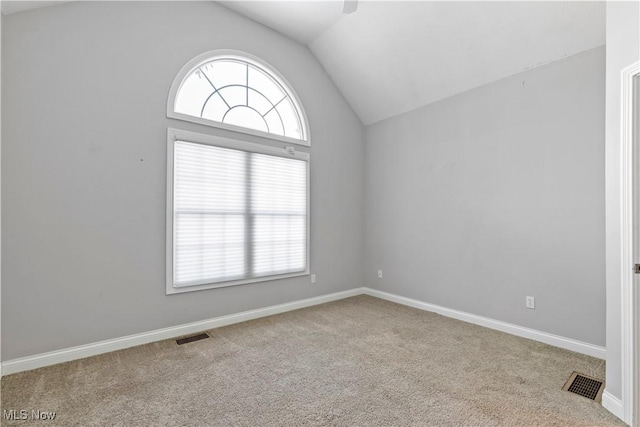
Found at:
[236, 91]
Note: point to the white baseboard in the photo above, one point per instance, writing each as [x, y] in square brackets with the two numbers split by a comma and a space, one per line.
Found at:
[79, 352]
[544, 337]
[82, 351]
[613, 404]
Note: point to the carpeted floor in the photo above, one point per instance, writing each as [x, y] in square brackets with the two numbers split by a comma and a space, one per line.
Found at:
[360, 361]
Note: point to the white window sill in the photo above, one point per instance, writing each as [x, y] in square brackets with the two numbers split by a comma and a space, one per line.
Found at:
[182, 289]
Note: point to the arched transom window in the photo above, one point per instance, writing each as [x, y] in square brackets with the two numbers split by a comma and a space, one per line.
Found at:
[238, 92]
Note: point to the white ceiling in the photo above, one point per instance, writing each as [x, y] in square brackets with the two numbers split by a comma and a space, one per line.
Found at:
[390, 57]
[300, 20]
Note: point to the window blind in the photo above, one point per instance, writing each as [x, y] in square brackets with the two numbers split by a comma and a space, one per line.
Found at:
[236, 214]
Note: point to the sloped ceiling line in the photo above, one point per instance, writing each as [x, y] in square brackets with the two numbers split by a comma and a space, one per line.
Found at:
[390, 57]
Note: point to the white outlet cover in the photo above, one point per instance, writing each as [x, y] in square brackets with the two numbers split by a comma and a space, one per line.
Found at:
[531, 302]
[313, 278]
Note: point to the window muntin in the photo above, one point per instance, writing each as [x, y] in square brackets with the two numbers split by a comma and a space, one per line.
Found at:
[234, 90]
[237, 212]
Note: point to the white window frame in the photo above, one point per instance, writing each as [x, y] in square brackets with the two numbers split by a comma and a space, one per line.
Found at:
[208, 56]
[199, 138]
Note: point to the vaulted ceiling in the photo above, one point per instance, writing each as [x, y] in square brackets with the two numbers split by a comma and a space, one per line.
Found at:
[390, 57]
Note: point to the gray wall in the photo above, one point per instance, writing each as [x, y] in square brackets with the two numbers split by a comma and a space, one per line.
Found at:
[84, 161]
[0, 187]
[479, 200]
[623, 49]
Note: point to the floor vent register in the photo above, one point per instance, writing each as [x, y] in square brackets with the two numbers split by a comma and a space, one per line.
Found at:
[585, 386]
[192, 338]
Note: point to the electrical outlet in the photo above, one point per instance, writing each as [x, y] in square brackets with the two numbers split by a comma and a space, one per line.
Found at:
[531, 302]
[379, 274]
[313, 278]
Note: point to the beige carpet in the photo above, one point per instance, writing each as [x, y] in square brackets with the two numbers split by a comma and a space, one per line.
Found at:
[355, 362]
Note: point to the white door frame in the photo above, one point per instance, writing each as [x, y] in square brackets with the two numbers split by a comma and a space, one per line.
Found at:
[630, 292]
